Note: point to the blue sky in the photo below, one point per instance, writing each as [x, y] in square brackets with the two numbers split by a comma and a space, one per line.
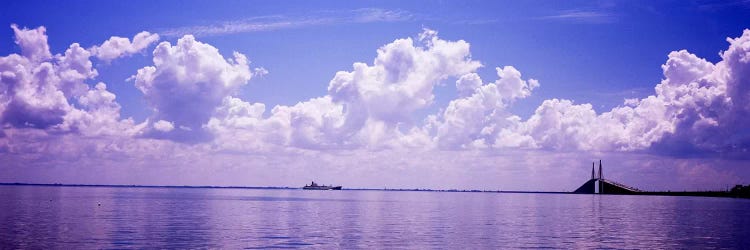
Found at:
[589, 52]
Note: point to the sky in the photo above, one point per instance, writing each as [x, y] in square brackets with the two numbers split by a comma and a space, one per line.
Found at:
[490, 95]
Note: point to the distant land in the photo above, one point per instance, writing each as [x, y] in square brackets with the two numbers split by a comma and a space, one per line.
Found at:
[134, 186]
[738, 191]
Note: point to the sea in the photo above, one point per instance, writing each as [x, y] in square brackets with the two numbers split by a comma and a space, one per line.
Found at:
[67, 217]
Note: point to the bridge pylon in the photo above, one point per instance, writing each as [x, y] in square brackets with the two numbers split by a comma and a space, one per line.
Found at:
[605, 186]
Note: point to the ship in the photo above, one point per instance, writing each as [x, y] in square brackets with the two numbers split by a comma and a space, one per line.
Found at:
[315, 186]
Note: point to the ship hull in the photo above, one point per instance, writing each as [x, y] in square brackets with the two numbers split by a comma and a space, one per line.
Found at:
[321, 188]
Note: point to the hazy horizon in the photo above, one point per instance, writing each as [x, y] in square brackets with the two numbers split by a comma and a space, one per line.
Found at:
[454, 95]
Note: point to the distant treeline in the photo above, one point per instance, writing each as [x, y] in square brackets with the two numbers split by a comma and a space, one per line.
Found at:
[740, 191]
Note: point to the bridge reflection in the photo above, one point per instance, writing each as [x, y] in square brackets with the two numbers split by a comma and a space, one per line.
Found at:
[598, 185]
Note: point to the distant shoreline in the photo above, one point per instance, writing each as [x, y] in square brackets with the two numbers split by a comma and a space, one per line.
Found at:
[725, 194]
[132, 186]
[252, 187]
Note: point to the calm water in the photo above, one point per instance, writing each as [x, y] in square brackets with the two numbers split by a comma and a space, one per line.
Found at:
[68, 217]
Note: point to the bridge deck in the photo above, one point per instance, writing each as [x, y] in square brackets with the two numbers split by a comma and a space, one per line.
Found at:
[620, 185]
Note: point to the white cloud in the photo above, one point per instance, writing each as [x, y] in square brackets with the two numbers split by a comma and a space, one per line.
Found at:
[310, 124]
[50, 117]
[100, 115]
[187, 82]
[31, 97]
[735, 70]
[560, 124]
[163, 126]
[117, 46]
[467, 84]
[240, 125]
[37, 90]
[74, 68]
[370, 107]
[698, 108]
[477, 119]
[400, 81]
[33, 43]
[31, 82]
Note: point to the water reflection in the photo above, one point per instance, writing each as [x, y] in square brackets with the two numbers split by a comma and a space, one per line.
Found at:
[157, 218]
[78, 217]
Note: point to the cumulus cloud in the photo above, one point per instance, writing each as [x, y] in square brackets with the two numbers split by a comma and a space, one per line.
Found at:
[30, 97]
[477, 119]
[371, 106]
[33, 43]
[187, 82]
[33, 83]
[242, 126]
[467, 84]
[402, 77]
[382, 96]
[98, 115]
[695, 108]
[735, 70]
[117, 46]
[50, 115]
[163, 126]
[679, 103]
[698, 108]
[41, 91]
[560, 124]
[239, 126]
